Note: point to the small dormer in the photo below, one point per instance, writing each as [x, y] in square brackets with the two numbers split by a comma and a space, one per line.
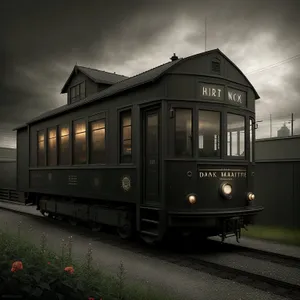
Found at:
[84, 82]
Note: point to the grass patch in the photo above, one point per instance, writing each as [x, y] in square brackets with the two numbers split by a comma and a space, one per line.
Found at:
[276, 234]
[37, 273]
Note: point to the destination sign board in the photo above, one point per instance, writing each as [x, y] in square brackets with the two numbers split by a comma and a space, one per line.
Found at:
[212, 91]
[217, 92]
[223, 174]
[236, 97]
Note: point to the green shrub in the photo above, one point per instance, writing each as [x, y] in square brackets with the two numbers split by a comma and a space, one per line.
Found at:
[46, 275]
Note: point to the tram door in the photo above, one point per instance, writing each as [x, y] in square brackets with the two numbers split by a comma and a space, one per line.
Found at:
[151, 156]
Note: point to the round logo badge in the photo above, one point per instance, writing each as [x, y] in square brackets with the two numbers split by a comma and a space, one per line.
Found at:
[126, 183]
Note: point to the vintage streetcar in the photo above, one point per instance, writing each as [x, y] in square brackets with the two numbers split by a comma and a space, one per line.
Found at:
[169, 151]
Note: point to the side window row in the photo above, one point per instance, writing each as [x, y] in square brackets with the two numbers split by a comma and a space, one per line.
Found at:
[54, 144]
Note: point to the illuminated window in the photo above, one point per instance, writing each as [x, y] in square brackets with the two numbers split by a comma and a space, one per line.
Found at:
[97, 142]
[183, 132]
[126, 137]
[77, 92]
[64, 145]
[235, 135]
[209, 133]
[41, 158]
[51, 147]
[79, 142]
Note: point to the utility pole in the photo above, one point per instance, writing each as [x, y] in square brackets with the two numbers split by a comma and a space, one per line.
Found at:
[292, 124]
[205, 34]
[270, 125]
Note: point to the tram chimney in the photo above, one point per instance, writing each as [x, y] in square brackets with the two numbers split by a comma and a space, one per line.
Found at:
[174, 57]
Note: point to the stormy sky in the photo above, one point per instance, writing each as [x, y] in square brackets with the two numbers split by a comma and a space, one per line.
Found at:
[41, 41]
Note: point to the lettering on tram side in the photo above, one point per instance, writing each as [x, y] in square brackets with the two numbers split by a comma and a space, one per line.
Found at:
[212, 91]
[236, 97]
[217, 92]
[222, 173]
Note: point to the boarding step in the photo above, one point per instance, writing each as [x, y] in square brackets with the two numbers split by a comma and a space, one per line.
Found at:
[150, 208]
[151, 233]
[150, 221]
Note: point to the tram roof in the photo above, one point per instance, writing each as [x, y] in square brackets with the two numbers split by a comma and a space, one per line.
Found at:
[129, 83]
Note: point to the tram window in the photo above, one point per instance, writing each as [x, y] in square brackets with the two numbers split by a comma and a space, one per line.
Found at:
[79, 142]
[41, 159]
[251, 140]
[52, 147]
[97, 142]
[125, 137]
[235, 135]
[183, 132]
[64, 145]
[209, 133]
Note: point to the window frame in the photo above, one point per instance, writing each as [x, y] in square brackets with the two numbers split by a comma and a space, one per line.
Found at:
[77, 97]
[244, 116]
[251, 143]
[38, 149]
[56, 145]
[59, 128]
[221, 132]
[125, 158]
[73, 140]
[191, 108]
[92, 119]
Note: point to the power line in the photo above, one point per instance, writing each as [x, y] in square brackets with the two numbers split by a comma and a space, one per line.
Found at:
[274, 65]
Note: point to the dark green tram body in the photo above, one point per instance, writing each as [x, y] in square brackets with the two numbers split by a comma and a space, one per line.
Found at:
[184, 117]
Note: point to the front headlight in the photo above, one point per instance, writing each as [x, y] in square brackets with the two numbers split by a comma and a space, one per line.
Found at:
[226, 189]
[250, 196]
[192, 199]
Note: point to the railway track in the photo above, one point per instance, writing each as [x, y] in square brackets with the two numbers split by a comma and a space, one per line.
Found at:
[279, 274]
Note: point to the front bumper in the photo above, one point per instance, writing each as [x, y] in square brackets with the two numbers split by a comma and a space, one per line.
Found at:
[210, 218]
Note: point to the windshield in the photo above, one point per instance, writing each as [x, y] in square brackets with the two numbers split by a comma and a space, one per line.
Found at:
[183, 132]
[209, 133]
[235, 135]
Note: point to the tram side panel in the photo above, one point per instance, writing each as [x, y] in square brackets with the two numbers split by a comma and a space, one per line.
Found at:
[22, 172]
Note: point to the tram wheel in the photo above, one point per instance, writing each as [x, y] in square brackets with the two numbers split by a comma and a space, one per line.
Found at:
[125, 231]
[149, 240]
[73, 221]
[96, 227]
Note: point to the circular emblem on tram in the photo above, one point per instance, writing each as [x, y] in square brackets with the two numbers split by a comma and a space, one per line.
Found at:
[126, 183]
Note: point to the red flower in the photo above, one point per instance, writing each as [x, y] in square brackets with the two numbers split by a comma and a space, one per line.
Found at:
[69, 270]
[49, 263]
[17, 265]
[91, 298]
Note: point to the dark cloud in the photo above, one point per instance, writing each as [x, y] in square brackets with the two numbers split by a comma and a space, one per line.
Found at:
[42, 40]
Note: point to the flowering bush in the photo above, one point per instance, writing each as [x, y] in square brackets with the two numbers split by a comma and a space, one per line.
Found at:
[36, 273]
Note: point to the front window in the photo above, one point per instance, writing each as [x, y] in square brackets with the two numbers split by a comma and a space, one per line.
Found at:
[209, 133]
[183, 132]
[235, 135]
[251, 140]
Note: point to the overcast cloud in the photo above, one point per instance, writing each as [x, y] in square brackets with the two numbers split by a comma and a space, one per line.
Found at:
[41, 41]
